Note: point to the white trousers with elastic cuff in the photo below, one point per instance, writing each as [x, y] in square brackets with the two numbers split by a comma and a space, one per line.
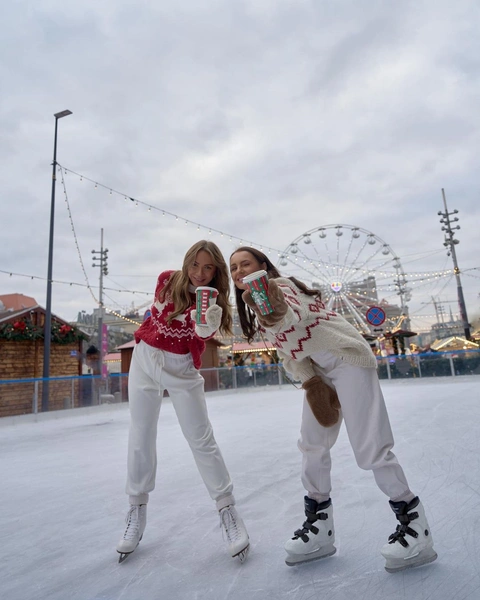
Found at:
[151, 372]
[368, 428]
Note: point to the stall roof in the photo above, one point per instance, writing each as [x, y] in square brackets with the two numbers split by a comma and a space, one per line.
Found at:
[255, 347]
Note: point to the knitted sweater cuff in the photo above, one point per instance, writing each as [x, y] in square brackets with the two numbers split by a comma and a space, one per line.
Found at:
[299, 369]
[204, 331]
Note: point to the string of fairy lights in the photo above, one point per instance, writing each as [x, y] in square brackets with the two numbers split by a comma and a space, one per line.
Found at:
[72, 283]
[420, 276]
[75, 237]
[417, 279]
[136, 292]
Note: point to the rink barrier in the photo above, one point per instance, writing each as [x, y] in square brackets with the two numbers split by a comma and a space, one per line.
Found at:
[24, 396]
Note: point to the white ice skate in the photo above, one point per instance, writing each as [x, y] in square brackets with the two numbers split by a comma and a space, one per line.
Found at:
[136, 520]
[234, 530]
[411, 545]
[316, 537]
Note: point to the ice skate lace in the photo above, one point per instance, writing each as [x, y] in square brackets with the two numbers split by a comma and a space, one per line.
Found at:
[228, 522]
[133, 523]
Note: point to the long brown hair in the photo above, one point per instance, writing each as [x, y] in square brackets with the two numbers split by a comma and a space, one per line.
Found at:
[248, 321]
[178, 284]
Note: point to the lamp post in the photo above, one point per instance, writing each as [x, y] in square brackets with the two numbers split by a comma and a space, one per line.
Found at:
[48, 311]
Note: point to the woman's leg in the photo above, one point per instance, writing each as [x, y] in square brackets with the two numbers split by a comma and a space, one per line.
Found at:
[145, 398]
[315, 444]
[367, 422]
[185, 386]
[316, 537]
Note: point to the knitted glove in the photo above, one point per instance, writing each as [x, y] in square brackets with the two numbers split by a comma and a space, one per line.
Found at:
[277, 300]
[323, 401]
[213, 317]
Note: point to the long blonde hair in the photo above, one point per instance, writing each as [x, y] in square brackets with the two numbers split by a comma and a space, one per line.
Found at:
[178, 285]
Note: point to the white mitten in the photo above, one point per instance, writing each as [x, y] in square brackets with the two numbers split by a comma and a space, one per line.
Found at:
[213, 317]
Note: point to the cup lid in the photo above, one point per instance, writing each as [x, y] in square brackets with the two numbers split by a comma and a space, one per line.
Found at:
[254, 276]
[206, 287]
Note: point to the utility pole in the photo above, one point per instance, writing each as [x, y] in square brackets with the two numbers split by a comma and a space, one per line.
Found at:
[101, 256]
[450, 244]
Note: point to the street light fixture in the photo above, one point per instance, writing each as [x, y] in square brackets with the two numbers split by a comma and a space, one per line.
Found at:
[48, 310]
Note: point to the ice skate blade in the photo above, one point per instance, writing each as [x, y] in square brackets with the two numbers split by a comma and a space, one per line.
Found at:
[399, 564]
[123, 556]
[242, 555]
[300, 559]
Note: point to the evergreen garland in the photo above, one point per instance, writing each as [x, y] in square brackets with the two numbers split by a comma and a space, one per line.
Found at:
[26, 330]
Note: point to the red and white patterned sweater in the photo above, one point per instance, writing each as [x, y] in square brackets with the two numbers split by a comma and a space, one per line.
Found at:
[178, 336]
[308, 327]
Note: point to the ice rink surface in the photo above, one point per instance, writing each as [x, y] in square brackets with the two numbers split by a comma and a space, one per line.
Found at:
[63, 504]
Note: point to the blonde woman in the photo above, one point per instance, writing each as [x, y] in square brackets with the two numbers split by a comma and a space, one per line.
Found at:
[167, 356]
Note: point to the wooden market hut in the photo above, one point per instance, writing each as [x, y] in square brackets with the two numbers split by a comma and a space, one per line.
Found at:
[21, 357]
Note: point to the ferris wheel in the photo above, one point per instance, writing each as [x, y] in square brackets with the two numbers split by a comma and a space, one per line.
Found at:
[354, 269]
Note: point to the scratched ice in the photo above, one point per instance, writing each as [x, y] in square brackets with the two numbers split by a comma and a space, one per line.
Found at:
[63, 504]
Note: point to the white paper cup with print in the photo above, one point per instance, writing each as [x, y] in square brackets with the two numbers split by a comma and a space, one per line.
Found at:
[258, 286]
[206, 297]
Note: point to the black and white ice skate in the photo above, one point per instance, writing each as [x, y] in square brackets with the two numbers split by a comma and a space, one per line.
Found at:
[315, 539]
[411, 545]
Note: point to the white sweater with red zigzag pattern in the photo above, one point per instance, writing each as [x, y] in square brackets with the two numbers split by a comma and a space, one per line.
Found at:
[308, 327]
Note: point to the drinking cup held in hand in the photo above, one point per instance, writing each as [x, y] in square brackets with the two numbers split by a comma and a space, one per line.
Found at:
[258, 286]
[206, 297]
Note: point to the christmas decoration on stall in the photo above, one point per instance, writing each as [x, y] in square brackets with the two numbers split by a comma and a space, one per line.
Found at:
[26, 330]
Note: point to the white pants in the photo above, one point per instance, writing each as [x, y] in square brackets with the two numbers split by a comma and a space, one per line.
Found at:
[368, 428]
[151, 372]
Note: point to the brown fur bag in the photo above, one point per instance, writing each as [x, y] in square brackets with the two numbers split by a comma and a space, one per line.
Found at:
[323, 401]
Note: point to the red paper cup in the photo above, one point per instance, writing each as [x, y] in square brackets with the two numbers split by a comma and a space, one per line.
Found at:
[206, 296]
[258, 285]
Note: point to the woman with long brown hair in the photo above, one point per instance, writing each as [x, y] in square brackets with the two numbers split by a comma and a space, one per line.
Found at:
[321, 349]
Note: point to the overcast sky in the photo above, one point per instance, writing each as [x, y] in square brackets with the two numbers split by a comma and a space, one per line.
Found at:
[261, 119]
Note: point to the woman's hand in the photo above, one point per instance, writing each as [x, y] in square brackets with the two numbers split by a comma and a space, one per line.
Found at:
[277, 301]
[213, 316]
